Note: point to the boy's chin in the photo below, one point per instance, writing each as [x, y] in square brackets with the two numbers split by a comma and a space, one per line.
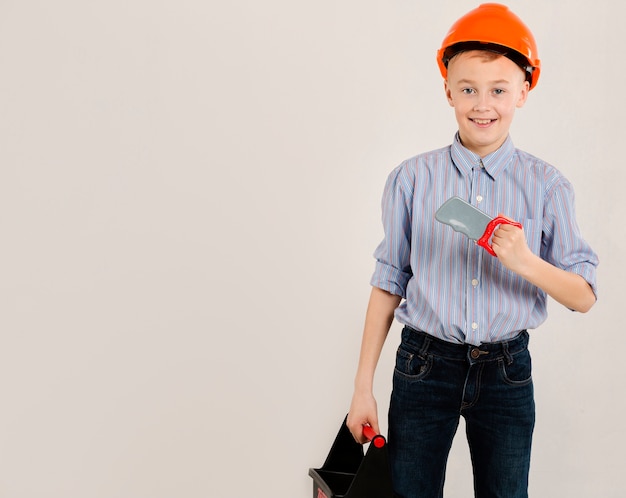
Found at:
[482, 145]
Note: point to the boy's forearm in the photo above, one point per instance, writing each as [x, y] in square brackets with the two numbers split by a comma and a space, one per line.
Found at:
[569, 289]
[378, 320]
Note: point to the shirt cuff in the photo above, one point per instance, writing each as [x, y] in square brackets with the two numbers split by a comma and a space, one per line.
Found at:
[390, 279]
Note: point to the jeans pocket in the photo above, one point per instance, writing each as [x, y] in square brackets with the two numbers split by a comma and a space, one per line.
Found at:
[412, 366]
[517, 371]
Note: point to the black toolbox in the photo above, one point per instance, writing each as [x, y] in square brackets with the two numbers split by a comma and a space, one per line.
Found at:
[349, 472]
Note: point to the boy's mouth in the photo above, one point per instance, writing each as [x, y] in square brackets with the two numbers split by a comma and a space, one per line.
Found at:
[482, 122]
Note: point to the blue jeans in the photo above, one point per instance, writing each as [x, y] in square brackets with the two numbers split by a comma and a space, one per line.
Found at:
[436, 382]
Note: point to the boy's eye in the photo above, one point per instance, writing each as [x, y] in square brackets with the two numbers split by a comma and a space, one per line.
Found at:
[498, 91]
[467, 91]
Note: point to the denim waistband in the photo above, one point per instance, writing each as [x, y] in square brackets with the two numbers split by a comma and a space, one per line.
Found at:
[427, 343]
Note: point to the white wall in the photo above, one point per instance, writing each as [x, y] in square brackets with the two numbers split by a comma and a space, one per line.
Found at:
[189, 201]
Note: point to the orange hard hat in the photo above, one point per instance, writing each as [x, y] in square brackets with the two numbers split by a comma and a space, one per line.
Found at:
[492, 27]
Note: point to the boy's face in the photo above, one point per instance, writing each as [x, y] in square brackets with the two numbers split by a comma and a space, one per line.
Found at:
[484, 90]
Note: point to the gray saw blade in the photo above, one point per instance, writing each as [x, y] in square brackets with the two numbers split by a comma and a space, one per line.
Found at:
[463, 217]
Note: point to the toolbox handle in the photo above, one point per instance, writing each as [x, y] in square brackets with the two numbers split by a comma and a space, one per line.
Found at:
[376, 439]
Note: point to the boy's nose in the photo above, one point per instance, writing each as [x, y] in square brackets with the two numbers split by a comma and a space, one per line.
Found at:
[481, 105]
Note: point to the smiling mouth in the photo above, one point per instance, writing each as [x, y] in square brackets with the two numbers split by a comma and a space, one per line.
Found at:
[482, 122]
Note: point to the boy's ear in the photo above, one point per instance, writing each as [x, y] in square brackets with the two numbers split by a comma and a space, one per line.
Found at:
[448, 93]
[523, 94]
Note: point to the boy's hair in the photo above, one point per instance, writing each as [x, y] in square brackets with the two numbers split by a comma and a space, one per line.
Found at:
[490, 51]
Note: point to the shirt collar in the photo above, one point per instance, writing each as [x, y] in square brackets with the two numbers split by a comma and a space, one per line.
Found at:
[495, 163]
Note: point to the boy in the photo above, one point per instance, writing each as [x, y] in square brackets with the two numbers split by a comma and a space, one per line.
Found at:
[466, 314]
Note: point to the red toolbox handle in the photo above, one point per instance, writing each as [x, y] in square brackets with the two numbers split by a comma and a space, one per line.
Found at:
[376, 439]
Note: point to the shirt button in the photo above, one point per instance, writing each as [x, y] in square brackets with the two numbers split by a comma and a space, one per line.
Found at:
[474, 326]
[479, 198]
[475, 282]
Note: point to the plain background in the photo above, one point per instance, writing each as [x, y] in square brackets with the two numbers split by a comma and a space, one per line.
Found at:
[189, 202]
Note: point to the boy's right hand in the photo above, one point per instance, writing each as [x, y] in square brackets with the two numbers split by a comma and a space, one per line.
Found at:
[363, 411]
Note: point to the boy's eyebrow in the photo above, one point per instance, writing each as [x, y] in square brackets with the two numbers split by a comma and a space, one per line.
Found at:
[471, 82]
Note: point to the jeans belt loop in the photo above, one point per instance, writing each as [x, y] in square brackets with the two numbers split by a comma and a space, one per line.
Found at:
[507, 355]
[424, 348]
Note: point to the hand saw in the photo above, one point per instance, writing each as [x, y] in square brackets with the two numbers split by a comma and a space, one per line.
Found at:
[471, 221]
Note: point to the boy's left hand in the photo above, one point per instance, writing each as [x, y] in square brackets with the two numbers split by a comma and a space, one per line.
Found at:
[509, 244]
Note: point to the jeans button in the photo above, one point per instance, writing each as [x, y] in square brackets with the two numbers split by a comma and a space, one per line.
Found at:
[475, 353]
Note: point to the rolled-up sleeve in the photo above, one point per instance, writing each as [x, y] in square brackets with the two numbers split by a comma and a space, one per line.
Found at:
[393, 267]
[564, 245]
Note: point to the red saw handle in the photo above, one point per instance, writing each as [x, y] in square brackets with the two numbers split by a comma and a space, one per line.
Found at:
[376, 439]
[491, 226]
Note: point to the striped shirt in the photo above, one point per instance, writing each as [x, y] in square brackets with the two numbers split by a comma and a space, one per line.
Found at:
[452, 288]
